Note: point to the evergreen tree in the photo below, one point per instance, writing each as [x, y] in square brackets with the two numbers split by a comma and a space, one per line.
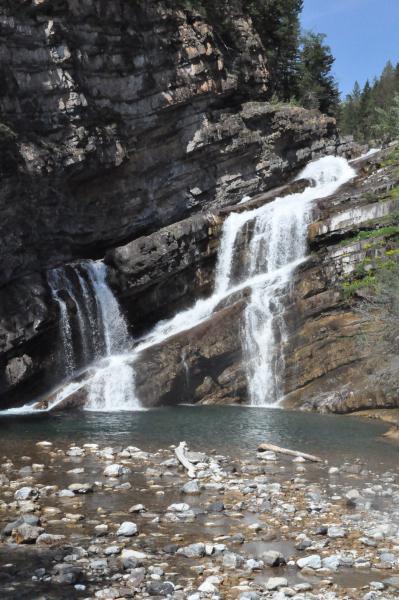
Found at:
[278, 24]
[373, 113]
[366, 112]
[385, 87]
[386, 126]
[317, 87]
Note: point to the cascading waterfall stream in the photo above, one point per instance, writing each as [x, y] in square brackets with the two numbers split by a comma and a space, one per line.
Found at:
[275, 249]
[111, 387]
[94, 332]
[260, 250]
[57, 282]
[277, 246]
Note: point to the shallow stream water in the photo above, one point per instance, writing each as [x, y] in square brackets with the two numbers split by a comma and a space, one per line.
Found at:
[234, 432]
[230, 430]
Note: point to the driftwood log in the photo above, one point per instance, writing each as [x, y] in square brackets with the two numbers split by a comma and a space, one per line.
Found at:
[279, 450]
[181, 456]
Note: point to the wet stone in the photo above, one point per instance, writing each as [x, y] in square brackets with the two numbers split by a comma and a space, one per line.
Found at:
[137, 508]
[81, 488]
[26, 534]
[65, 573]
[127, 529]
[273, 558]
[158, 588]
[114, 470]
[26, 493]
[191, 488]
[313, 562]
[274, 583]
[193, 550]
[29, 519]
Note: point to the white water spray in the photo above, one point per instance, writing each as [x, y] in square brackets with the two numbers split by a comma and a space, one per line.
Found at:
[111, 387]
[277, 247]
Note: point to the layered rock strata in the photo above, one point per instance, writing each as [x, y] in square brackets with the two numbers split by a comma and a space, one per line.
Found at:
[330, 357]
[116, 121]
[337, 358]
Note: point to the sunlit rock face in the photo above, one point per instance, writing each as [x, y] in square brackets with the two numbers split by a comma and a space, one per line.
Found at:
[119, 119]
[337, 358]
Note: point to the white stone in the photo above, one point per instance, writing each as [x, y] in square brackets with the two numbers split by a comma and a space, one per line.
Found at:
[114, 470]
[127, 553]
[75, 451]
[207, 587]
[273, 583]
[313, 562]
[331, 562]
[181, 507]
[112, 550]
[127, 529]
[26, 493]
[336, 532]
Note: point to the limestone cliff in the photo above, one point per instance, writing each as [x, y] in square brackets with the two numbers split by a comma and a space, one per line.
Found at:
[118, 120]
[331, 360]
[337, 358]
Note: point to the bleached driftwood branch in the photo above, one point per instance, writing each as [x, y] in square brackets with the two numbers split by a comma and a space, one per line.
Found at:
[279, 450]
[180, 452]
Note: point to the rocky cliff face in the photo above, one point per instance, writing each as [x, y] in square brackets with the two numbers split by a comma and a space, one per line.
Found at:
[338, 358]
[332, 361]
[121, 122]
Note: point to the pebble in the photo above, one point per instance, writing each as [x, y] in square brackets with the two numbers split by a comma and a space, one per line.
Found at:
[66, 494]
[182, 507]
[114, 470]
[80, 488]
[313, 562]
[127, 529]
[191, 488]
[137, 508]
[273, 558]
[25, 493]
[193, 550]
[337, 532]
[207, 587]
[273, 583]
[26, 534]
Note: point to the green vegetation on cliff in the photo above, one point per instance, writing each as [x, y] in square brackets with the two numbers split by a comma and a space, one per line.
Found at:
[372, 113]
[300, 64]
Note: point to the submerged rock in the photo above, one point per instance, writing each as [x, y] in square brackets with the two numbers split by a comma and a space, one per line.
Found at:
[26, 534]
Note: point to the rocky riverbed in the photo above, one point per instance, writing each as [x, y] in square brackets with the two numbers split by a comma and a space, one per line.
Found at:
[90, 521]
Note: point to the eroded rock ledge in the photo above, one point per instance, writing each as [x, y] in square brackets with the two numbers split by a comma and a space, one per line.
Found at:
[336, 359]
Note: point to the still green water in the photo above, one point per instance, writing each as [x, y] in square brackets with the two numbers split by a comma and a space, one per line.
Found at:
[230, 430]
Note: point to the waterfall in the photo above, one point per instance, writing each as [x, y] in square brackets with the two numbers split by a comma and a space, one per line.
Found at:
[62, 287]
[277, 247]
[102, 334]
[260, 249]
[111, 387]
[113, 325]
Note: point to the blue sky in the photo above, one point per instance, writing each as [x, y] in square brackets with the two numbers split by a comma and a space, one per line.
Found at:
[363, 35]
